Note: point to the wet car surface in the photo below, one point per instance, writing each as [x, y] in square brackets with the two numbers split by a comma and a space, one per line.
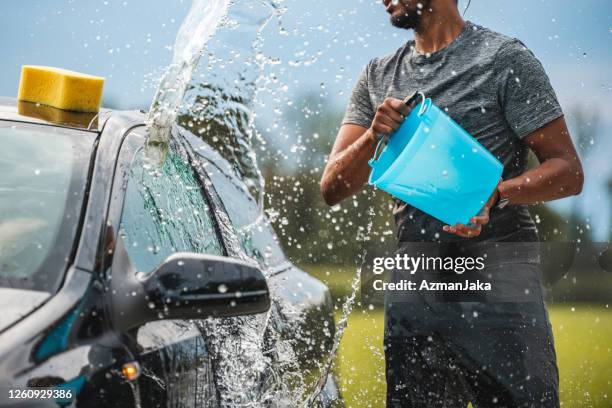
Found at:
[157, 260]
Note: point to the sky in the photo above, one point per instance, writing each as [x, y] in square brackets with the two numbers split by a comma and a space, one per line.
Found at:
[312, 45]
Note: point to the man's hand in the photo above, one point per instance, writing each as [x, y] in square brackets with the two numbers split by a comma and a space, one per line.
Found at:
[347, 169]
[389, 117]
[474, 229]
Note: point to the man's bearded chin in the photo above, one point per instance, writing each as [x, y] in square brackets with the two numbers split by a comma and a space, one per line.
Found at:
[409, 17]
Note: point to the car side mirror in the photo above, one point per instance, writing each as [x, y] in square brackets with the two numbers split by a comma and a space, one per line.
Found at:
[186, 286]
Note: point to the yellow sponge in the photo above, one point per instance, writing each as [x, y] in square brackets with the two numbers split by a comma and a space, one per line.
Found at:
[60, 88]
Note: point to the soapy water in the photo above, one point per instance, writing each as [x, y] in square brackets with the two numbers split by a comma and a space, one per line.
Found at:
[200, 24]
[253, 364]
[219, 112]
[342, 323]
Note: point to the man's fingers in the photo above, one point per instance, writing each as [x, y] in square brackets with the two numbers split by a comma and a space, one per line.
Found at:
[463, 231]
[398, 105]
[480, 220]
[392, 113]
[468, 231]
[381, 128]
[389, 121]
[382, 118]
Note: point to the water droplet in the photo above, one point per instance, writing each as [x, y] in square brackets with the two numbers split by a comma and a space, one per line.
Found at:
[222, 288]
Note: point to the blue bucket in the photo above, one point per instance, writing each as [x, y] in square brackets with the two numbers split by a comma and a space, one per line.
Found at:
[433, 164]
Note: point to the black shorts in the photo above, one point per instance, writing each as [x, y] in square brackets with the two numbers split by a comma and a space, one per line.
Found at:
[492, 355]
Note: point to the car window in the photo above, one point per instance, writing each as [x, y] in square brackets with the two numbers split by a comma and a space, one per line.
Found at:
[165, 211]
[43, 174]
[257, 238]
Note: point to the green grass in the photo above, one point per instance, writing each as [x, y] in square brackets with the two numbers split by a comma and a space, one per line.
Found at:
[583, 339]
[584, 350]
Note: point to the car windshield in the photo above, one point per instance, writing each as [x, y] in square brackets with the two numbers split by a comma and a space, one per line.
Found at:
[43, 171]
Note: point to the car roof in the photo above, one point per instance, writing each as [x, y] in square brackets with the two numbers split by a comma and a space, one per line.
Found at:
[27, 112]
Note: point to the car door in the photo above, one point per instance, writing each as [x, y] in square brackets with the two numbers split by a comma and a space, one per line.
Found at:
[165, 210]
[301, 313]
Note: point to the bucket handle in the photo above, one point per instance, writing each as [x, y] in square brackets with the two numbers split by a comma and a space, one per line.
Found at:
[424, 106]
[414, 98]
[374, 159]
[408, 101]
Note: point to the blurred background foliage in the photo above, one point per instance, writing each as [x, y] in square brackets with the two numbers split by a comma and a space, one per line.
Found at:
[313, 229]
[319, 237]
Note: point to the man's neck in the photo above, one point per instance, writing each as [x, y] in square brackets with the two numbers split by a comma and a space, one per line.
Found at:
[437, 29]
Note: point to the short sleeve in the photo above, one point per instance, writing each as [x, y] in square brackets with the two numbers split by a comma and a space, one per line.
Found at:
[527, 98]
[359, 110]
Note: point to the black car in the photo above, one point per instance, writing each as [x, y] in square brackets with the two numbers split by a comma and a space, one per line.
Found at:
[127, 272]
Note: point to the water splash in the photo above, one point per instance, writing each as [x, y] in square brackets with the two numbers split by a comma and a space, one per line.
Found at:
[218, 106]
[342, 323]
[198, 27]
[253, 364]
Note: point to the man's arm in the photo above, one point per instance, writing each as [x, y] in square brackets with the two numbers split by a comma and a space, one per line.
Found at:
[532, 111]
[347, 169]
[559, 174]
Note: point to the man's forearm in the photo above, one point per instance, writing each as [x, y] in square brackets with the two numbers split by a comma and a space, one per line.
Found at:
[553, 179]
[348, 170]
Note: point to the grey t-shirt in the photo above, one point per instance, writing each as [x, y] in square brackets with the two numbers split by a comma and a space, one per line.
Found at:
[492, 86]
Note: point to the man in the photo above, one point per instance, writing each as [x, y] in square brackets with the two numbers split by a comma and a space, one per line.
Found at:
[450, 354]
